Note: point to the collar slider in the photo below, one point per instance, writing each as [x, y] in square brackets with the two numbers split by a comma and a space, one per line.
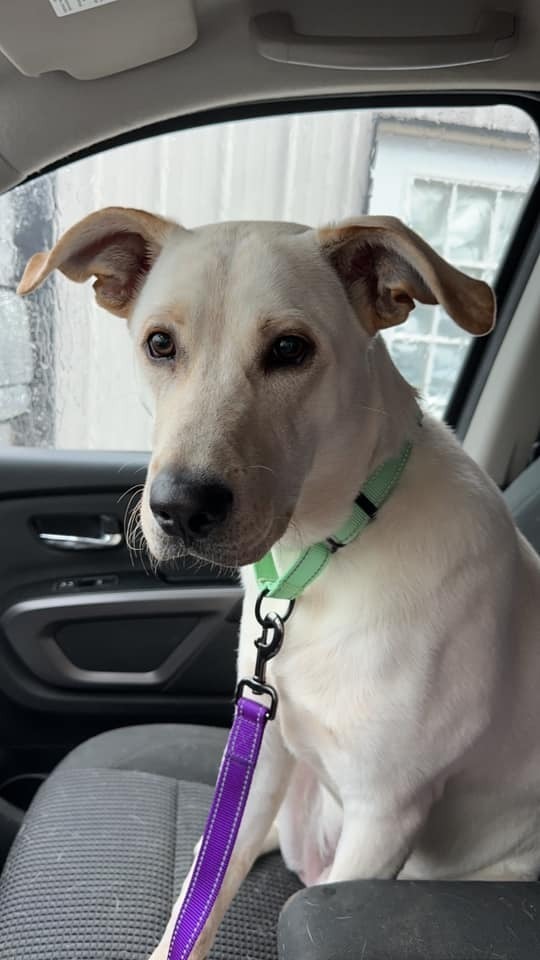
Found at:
[366, 505]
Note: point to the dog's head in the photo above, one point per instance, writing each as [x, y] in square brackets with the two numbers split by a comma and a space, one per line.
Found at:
[255, 338]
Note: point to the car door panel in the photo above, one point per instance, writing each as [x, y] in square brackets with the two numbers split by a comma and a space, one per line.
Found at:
[90, 633]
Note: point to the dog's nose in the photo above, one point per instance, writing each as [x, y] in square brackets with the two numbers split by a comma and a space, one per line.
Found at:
[186, 506]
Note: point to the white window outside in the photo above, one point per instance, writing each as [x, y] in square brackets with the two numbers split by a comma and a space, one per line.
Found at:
[459, 176]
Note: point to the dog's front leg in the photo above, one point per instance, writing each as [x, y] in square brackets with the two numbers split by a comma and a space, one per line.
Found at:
[267, 791]
[376, 840]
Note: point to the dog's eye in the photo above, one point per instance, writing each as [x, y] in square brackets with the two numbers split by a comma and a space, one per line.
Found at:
[288, 351]
[161, 346]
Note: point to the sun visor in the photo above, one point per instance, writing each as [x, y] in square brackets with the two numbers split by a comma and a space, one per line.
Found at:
[93, 38]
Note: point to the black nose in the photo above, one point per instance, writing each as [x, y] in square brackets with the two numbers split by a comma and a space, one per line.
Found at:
[187, 506]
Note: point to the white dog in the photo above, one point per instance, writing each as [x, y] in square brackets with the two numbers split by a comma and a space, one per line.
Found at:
[407, 740]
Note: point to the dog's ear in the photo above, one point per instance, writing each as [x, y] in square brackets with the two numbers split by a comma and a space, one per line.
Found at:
[117, 245]
[385, 267]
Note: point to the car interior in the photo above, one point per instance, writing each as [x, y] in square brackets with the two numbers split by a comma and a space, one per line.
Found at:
[117, 677]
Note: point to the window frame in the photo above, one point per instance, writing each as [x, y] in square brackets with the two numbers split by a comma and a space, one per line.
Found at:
[523, 250]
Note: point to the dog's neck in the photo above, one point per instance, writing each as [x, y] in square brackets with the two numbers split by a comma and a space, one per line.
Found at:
[396, 410]
[386, 416]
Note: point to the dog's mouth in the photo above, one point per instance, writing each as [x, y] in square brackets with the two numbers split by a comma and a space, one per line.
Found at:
[230, 550]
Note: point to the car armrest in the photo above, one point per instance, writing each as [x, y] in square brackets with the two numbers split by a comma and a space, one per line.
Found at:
[406, 920]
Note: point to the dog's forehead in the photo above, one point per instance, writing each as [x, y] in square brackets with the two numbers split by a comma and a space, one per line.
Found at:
[209, 262]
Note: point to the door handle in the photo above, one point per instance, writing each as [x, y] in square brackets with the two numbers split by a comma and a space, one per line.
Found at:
[98, 532]
[72, 541]
[276, 39]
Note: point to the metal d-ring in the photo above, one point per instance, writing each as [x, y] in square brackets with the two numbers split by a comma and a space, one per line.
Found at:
[265, 621]
[267, 645]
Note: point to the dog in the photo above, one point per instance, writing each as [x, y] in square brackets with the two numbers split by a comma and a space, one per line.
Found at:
[407, 740]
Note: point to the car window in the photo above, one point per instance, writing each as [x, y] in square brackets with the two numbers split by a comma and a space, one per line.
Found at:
[460, 176]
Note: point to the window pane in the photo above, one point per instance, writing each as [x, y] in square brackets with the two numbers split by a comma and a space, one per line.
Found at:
[421, 320]
[458, 176]
[430, 206]
[447, 359]
[411, 356]
[469, 226]
[508, 210]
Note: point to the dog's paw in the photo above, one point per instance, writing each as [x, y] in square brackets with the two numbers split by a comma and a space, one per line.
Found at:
[200, 951]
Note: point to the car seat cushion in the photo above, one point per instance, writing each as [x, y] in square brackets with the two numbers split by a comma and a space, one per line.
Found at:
[99, 861]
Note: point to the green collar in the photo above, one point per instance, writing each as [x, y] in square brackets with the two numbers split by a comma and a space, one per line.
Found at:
[312, 561]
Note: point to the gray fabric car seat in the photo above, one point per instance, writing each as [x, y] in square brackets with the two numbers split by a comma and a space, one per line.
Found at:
[106, 844]
[103, 850]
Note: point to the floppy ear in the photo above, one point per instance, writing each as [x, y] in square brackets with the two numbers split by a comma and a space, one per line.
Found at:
[117, 245]
[385, 267]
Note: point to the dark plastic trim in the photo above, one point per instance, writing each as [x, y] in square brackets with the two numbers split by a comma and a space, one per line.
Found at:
[31, 626]
[407, 920]
[529, 102]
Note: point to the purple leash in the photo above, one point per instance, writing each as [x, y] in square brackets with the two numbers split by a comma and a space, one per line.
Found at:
[232, 790]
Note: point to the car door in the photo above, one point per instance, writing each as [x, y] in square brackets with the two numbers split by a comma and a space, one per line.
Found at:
[91, 635]
[89, 638]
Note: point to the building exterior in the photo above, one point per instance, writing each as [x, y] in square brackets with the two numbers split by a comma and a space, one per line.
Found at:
[457, 176]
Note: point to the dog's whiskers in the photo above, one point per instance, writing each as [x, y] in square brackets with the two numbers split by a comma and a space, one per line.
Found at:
[135, 539]
[384, 413]
[260, 466]
[136, 488]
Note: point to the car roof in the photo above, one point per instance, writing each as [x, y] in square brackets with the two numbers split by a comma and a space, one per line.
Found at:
[53, 115]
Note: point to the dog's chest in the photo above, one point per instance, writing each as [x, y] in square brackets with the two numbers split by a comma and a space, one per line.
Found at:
[326, 703]
[346, 693]
[347, 690]
[306, 733]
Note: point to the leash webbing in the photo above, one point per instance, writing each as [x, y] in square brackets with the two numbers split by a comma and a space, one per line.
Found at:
[310, 564]
[231, 793]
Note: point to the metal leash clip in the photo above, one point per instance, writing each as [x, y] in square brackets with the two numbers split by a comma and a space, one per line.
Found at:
[268, 645]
